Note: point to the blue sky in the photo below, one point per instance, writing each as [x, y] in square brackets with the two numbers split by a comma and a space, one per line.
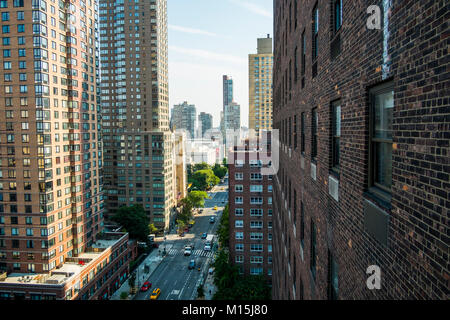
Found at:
[210, 38]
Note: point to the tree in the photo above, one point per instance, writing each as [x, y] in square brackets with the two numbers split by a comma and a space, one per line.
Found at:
[197, 198]
[134, 220]
[201, 166]
[204, 179]
[124, 296]
[219, 171]
[181, 225]
[224, 228]
[132, 280]
[152, 228]
[200, 291]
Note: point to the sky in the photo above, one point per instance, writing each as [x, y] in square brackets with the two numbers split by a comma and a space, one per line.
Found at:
[211, 38]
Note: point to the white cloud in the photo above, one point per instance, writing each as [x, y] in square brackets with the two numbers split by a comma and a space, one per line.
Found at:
[253, 8]
[191, 30]
[204, 54]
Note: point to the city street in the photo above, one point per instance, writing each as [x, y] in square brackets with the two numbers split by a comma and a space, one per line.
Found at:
[172, 276]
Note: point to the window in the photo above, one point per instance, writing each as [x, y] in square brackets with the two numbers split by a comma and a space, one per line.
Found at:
[239, 200]
[295, 65]
[239, 247]
[302, 133]
[238, 188]
[336, 23]
[239, 224]
[5, 29]
[314, 126]
[239, 236]
[335, 135]
[380, 141]
[18, 3]
[337, 15]
[302, 226]
[239, 259]
[239, 176]
[312, 258]
[315, 33]
[239, 212]
[333, 285]
[256, 188]
[295, 132]
[303, 57]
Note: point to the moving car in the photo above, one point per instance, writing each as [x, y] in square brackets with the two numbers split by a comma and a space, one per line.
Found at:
[187, 251]
[212, 220]
[155, 294]
[147, 285]
[215, 207]
[204, 235]
[191, 264]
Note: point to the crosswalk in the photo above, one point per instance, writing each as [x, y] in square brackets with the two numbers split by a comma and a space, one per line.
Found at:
[201, 253]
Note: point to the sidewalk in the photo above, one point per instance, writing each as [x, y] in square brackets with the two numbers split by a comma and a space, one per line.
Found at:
[152, 260]
[209, 286]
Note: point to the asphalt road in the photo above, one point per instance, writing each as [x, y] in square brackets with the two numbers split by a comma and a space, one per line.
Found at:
[172, 275]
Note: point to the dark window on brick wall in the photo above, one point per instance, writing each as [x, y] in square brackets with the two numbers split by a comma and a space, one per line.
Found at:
[295, 132]
[302, 133]
[290, 132]
[295, 14]
[333, 285]
[315, 39]
[314, 127]
[336, 23]
[303, 53]
[313, 252]
[380, 140]
[295, 65]
[302, 225]
[335, 136]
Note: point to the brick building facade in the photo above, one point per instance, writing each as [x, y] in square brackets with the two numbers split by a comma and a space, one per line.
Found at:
[250, 210]
[364, 126]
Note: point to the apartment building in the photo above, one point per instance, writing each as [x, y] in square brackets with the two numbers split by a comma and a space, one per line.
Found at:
[260, 67]
[138, 143]
[184, 116]
[361, 104]
[250, 209]
[51, 160]
[205, 123]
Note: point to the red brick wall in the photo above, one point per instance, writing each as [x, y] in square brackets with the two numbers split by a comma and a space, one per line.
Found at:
[414, 263]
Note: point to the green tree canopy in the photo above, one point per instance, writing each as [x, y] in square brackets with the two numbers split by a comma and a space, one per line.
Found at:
[224, 228]
[219, 171]
[134, 220]
[201, 166]
[197, 198]
[204, 179]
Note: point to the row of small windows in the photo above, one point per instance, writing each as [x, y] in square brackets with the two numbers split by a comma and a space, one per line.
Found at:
[380, 136]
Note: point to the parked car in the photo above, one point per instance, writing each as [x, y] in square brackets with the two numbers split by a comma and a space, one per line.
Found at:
[191, 264]
[204, 235]
[147, 285]
[155, 294]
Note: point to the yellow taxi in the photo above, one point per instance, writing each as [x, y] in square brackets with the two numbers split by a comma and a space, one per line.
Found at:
[215, 208]
[155, 294]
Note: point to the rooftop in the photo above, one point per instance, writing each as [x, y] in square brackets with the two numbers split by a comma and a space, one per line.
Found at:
[71, 267]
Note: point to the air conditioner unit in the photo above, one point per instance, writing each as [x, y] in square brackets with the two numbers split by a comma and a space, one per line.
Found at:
[313, 171]
[333, 187]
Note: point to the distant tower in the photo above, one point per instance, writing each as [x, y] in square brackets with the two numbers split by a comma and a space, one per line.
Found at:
[260, 86]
